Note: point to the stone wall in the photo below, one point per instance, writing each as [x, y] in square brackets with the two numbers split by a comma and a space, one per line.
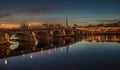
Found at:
[4, 38]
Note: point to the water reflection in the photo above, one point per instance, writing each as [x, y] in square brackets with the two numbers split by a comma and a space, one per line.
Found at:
[22, 48]
[5, 61]
[75, 46]
[14, 45]
[103, 38]
[31, 56]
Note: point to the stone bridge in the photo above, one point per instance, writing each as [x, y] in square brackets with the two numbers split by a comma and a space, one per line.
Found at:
[39, 34]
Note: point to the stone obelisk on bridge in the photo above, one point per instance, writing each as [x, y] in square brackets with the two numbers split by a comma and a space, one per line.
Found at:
[67, 23]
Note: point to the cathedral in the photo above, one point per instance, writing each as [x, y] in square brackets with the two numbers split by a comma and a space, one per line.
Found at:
[24, 25]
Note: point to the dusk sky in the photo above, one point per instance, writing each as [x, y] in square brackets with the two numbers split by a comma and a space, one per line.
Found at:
[82, 12]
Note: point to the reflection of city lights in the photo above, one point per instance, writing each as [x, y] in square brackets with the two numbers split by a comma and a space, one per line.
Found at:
[41, 52]
[5, 61]
[31, 56]
[55, 48]
[23, 55]
[61, 49]
[48, 51]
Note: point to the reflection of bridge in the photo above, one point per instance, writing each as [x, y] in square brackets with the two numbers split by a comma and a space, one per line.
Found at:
[30, 47]
[104, 38]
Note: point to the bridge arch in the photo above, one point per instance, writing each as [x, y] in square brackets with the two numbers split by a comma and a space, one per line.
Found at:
[43, 35]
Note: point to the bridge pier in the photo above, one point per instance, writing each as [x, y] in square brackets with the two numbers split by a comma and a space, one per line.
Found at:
[69, 33]
[63, 33]
[44, 35]
[4, 38]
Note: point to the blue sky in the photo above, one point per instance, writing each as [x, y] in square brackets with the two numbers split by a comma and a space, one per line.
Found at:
[55, 11]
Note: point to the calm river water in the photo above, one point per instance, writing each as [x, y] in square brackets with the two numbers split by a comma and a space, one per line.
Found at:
[82, 53]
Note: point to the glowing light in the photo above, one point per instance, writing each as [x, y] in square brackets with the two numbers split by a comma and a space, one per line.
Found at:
[61, 49]
[5, 61]
[23, 55]
[3, 24]
[31, 56]
[55, 48]
[70, 46]
[49, 52]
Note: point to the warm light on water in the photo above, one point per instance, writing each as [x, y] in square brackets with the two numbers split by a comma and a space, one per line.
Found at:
[6, 61]
[83, 55]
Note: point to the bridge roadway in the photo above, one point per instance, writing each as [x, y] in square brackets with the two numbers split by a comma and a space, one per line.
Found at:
[45, 30]
[44, 34]
[58, 30]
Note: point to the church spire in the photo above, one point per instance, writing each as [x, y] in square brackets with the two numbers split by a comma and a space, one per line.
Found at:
[67, 22]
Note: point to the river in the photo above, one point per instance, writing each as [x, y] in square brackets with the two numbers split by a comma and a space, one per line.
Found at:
[82, 53]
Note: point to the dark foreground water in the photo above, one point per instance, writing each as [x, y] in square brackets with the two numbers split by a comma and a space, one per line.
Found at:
[89, 53]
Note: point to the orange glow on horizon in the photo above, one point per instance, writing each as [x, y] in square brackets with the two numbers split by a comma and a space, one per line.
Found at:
[9, 26]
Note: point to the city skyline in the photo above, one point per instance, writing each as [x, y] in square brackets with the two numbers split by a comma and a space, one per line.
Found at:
[82, 12]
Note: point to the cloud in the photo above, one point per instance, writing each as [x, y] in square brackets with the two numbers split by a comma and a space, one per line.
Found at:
[29, 10]
[5, 15]
[40, 9]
